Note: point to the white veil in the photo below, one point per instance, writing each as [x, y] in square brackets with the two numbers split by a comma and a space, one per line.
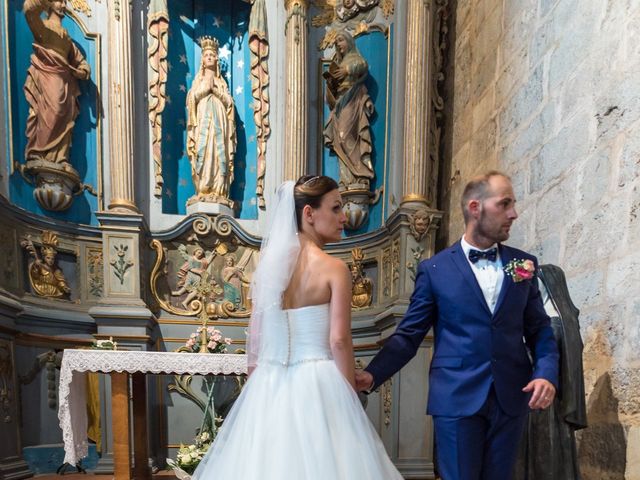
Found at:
[278, 257]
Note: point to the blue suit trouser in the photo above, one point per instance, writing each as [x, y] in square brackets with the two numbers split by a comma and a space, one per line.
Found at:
[480, 447]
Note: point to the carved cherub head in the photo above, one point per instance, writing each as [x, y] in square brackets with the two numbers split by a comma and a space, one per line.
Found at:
[420, 221]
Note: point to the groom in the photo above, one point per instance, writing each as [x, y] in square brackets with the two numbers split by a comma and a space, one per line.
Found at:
[488, 324]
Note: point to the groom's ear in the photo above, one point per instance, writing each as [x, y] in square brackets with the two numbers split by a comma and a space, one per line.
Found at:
[474, 207]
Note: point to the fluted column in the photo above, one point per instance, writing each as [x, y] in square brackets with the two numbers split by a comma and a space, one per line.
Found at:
[417, 97]
[120, 96]
[296, 106]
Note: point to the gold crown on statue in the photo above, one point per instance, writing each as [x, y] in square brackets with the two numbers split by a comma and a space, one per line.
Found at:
[208, 43]
[49, 242]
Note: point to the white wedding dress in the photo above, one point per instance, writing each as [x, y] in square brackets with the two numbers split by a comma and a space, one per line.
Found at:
[297, 417]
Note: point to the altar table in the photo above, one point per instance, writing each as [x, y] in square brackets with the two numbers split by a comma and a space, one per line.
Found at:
[72, 411]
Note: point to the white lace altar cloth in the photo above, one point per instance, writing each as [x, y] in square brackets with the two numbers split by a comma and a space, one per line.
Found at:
[72, 412]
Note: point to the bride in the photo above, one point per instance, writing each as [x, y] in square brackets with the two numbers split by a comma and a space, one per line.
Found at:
[298, 416]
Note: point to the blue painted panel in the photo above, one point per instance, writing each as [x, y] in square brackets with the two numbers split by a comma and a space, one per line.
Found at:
[374, 47]
[228, 22]
[84, 147]
[48, 458]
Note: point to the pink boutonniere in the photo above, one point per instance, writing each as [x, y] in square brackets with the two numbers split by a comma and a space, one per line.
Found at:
[520, 270]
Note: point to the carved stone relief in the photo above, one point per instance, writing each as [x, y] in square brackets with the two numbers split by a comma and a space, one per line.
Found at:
[208, 268]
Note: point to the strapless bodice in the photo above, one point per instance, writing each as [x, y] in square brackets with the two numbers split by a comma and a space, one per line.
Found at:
[290, 337]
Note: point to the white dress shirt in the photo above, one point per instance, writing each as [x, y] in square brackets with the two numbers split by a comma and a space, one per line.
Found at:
[488, 274]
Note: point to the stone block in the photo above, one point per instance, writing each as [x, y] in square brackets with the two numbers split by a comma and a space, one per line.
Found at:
[524, 102]
[623, 273]
[601, 233]
[633, 453]
[511, 71]
[488, 35]
[483, 109]
[483, 73]
[519, 24]
[483, 143]
[543, 39]
[547, 250]
[594, 178]
[559, 198]
[560, 154]
[630, 158]
[529, 141]
[586, 288]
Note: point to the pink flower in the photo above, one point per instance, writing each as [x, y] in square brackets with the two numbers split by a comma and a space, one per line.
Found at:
[528, 265]
[227, 341]
[522, 273]
[212, 345]
[217, 336]
[191, 342]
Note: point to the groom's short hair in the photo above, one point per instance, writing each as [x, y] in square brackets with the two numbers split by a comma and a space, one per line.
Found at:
[478, 189]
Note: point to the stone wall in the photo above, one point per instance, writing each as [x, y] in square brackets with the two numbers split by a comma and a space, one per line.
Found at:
[549, 92]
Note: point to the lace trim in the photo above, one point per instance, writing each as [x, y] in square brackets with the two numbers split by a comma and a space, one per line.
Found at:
[72, 412]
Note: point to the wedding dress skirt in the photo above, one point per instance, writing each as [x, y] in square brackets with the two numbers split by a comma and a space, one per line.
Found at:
[297, 417]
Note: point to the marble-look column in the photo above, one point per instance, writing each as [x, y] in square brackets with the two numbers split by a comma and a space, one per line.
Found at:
[120, 97]
[417, 169]
[296, 106]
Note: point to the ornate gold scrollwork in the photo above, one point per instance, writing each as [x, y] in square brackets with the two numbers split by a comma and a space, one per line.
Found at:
[210, 277]
[362, 287]
[387, 401]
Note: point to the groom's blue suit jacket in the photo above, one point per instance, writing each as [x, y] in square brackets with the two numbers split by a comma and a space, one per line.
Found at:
[472, 346]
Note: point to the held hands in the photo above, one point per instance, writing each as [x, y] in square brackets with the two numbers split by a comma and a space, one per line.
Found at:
[364, 380]
[543, 393]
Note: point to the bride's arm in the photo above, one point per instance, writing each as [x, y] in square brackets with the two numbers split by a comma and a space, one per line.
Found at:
[340, 329]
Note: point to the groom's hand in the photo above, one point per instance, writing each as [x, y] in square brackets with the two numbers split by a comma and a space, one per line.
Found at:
[364, 380]
[543, 393]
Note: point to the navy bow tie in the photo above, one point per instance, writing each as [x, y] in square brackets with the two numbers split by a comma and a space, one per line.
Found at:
[490, 255]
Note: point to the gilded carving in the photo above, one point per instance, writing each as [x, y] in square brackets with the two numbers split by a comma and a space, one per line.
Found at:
[387, 7]
[6, 381]
[122, 261]
[211, 130]
[46, 278]
[416, 253]
[259, 47]
[52, 91]
[157, 71]
[342, 11]
[386, 272]
[95, 267]
[362, 287]
[387, 401]
[395, 265]
[419, 223]
[81, 6]
[207, 271]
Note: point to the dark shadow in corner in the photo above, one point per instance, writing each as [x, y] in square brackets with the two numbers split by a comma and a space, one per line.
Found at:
[602, 448]
[447, 91]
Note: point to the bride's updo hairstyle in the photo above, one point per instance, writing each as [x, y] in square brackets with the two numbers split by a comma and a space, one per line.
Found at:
[309, 190]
